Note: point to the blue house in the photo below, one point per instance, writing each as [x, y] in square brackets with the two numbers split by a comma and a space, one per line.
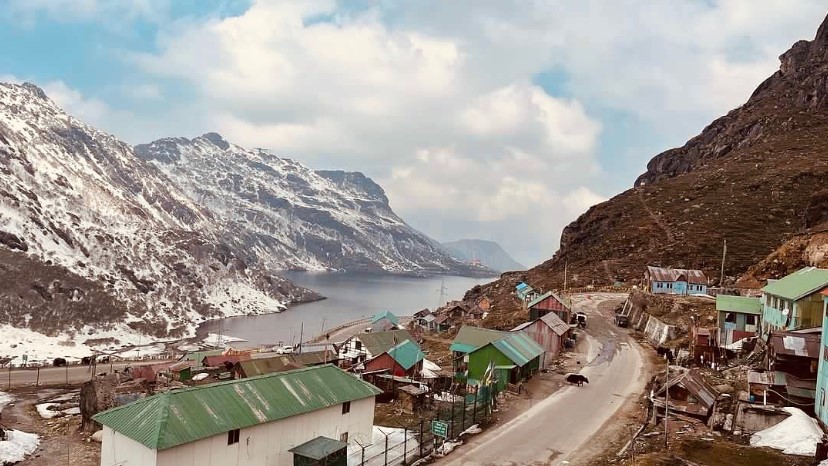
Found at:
[661, 280]
[821, 402]
[525, 292]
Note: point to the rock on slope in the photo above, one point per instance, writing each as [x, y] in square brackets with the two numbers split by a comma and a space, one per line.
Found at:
[752, 177]
[489, 253]
[93, 239]
[291, 217]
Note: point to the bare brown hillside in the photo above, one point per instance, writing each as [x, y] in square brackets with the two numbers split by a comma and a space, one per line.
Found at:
[753, 177]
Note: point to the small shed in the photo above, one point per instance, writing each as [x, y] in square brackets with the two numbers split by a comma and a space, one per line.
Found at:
[688, 394]
[321, 451]
[384, 321]
[546, 303]
[149, 372]
[516, 357]
[549, 332]
[412, 397]
[182, 370]
[405, 358]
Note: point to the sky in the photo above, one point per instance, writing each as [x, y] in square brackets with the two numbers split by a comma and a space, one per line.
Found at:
[492, 119]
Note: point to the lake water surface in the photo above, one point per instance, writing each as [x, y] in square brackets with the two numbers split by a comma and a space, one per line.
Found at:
[351, 296]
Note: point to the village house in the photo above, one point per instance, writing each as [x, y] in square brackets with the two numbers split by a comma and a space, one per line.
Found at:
[661, 280]
[384, 321]
[364, 346]
[468, 339]
[404, 359]
[792, 364]
[525, 292]
[821, 405]
[549, 332]
[262, 420]
[738, 318]
[794, 302]
[426, 320]
[516, 357]
[267, 363]
[549, 302]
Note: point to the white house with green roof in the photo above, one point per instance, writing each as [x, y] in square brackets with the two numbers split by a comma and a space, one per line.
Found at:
[794, 302]
[254, 421]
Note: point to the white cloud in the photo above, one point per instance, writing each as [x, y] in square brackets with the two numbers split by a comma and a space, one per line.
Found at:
[438, 100]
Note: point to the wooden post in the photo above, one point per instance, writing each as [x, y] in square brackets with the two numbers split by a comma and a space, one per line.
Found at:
[422, 421]
[10, 368]
[405, 444]
[66, 365]
[474, 412]
[37, 382]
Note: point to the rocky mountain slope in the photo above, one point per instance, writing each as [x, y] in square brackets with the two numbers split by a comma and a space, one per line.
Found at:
[94, 240]
[488, 253]
[288, 216]
[753, 177]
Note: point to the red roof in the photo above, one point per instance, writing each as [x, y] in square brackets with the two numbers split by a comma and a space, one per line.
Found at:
[219, 360]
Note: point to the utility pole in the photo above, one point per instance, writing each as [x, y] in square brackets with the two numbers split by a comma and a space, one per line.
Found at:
[666, 405]
[566, 266]
[721, 274]
[442, 291]
[301, 335]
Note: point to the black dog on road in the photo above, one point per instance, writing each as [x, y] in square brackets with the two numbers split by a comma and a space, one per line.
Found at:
[577, 379]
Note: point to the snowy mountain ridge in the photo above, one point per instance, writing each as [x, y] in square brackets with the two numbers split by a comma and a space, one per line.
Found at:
[97, 224]
[289, 216]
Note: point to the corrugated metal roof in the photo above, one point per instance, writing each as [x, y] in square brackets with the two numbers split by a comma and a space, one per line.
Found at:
[262, 366]
[220, 359]
[662, 274]
[693, 382]
[740, 304]
[470, 338]
[407, 354]
[198, 356]
[539, 299]
[385, 315]
[522, 286]
[795, 344]
[555, 323]
[379, 342]
[798, 284]
[767, 378]
[182, 416]
[522, 326]
[318, 448]
[550, 294]
[519, 348]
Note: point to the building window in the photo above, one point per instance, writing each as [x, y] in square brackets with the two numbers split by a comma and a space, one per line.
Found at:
[343, 437]
[358, 344]
[750, 319]
[233, 437]
[346, 407]
[730, 317]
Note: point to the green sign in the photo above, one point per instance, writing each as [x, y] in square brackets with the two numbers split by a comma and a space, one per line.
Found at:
[439, 428]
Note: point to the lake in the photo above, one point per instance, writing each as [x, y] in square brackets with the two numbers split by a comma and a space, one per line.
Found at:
[350, 296]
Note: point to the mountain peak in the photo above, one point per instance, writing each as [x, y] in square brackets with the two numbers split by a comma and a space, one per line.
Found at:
[36, 90]
[217, 140]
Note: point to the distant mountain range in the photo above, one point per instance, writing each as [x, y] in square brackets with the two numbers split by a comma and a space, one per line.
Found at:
[102, 239]
[487, 253]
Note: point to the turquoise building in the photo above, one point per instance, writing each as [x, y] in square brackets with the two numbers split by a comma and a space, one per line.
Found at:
[794, 302]
[821, 402]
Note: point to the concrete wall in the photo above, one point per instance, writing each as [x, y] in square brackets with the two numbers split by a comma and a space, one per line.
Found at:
[268, 444]
[119, 450]
[657, 331]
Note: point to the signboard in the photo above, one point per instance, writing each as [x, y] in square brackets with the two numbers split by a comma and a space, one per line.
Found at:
[439, 428]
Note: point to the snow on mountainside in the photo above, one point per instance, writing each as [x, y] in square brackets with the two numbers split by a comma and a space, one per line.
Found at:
[94, 239]
[291, 217]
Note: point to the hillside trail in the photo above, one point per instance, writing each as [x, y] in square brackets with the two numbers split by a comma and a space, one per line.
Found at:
[656, 219]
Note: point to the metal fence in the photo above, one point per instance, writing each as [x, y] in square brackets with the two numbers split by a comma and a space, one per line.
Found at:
[404, 445]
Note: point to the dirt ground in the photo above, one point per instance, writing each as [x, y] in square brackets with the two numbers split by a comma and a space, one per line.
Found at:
[60, 441]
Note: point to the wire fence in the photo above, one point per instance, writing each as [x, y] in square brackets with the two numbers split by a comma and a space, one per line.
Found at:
[404, 445]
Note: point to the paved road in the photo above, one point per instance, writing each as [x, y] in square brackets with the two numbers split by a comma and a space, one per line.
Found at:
[554, 430]
[60, 375]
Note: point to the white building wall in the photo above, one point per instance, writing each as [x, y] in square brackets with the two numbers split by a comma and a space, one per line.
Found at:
[268, 444]
[119, 450]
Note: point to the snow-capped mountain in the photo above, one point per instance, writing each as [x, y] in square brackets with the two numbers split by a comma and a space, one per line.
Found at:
[85, 224]
[291, 217]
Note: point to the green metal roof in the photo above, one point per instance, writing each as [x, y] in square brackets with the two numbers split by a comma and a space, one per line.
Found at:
[519, 348]
[470, 338]
[539, 299]
[407, 354]
[740, 304]
[198, 356]
[380, 342]
[182, 416]
[385, 315]
[798, 284]
[318, 448]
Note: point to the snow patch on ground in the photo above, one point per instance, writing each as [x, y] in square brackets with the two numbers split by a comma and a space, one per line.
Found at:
[796, 435]
[17, 445]
[216, 340]
[45, 412]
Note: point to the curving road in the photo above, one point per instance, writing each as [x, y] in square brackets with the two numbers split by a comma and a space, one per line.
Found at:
[553, 431]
